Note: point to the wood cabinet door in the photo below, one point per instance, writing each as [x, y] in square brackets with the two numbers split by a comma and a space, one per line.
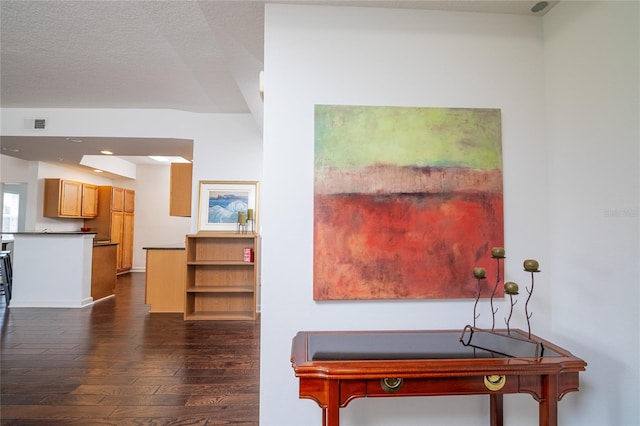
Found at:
[129, 200]
[89, 200]
[117, 199]
[117, 220]
[180, 189]
[127, 241]
[70, 198]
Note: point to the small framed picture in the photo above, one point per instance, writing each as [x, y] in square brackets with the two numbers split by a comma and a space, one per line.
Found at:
[222, 202]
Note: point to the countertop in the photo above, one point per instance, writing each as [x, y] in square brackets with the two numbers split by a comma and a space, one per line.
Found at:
[104, 243]
[54, 233]
[178, 246]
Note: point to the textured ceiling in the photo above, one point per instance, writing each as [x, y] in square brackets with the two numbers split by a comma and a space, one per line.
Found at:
[129, 54]
[197, 56]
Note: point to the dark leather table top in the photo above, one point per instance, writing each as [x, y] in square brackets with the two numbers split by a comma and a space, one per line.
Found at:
[416, 345]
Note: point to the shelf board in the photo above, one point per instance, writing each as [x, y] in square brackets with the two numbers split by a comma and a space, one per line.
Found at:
[219, 263]
[220, 315]
[222, 234]
[247, 288]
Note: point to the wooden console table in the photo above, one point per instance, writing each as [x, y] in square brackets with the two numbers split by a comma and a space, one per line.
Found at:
[336, 367]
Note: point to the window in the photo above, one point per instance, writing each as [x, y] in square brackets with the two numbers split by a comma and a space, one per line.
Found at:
[10, 212]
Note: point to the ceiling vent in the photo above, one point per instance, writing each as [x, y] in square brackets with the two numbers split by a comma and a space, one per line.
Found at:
[35, 123]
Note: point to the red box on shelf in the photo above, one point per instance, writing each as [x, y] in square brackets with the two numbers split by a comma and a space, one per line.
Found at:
[248, 255]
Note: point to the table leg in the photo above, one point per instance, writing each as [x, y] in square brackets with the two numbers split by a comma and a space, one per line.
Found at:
[331, 414]
[548, 409]
[495, 407]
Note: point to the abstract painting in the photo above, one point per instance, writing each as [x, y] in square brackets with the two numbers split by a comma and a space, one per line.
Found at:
[407, 201]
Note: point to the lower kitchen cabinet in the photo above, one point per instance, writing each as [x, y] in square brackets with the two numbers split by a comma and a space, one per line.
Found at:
[103, 270]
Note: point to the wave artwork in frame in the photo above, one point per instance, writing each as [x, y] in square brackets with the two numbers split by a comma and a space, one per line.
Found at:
[220, 202]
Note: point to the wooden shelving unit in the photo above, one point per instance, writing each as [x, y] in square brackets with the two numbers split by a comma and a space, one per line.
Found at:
[221, 285]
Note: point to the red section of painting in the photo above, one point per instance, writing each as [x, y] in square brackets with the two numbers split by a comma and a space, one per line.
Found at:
[405, 246]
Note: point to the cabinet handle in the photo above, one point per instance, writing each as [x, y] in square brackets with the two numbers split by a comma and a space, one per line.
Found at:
[391, 385]
[494, 382]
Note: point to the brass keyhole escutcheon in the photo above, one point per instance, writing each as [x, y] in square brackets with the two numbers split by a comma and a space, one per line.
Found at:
[494, 382]
[391, 385]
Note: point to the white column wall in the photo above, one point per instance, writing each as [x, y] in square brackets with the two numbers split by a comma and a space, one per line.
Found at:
[592, 71]
[366, 56]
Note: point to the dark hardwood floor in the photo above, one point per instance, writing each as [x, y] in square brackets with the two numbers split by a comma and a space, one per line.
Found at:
[115, 364]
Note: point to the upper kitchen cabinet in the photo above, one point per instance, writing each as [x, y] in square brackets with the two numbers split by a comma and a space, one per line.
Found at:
[129, 201]
[180, 189]
[89, 200]
[122, 200]
[69, 199]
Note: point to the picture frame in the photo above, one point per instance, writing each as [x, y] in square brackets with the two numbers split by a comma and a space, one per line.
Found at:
[220, 201]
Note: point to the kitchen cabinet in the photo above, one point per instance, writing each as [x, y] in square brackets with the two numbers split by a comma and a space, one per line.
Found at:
[115, 221]
[221, 281]
[165, 276]
[122, 200]
[89, 200]
[103, 270]
[127, 241]
[180, 189]
[117, 199]
[69, 199]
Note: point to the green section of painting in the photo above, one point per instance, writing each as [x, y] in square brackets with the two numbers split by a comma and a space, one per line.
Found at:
[357, 136]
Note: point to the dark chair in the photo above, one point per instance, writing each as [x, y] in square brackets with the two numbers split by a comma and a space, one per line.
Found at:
[6, 275]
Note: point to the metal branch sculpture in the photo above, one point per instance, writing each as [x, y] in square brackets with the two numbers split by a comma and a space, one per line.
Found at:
[530, 265]
[511, 289]
[497, 253]
[480, 274]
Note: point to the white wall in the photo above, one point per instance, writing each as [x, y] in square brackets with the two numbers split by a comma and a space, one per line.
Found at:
[336, 55]
[13, 170]
[592, 60]
[152, 202]
[35, 196]
[153, 227]
[226, 147]
[32, 173]
[231, 151]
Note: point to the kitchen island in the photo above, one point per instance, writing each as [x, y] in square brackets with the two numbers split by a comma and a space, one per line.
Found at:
[52, 269]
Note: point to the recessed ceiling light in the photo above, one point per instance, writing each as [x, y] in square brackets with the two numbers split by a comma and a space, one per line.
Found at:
[541, 5]
[97, 170]
[106, 152]
[75, 140]
[168, 159]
